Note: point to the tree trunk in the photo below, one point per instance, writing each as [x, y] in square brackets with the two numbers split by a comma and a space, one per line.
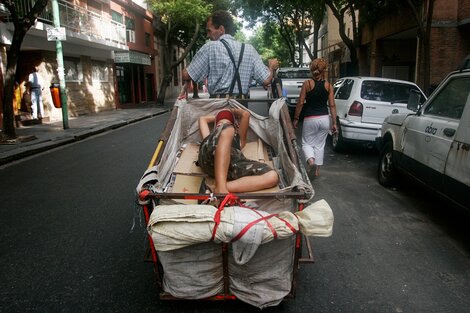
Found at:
[168, 65]
[351, 44]
[163, 86]
[21, 27]
[12, 61]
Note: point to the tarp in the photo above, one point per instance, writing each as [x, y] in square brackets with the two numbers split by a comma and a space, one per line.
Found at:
[186, 131]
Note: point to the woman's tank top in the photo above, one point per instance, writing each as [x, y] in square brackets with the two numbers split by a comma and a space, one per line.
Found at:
[316, 100]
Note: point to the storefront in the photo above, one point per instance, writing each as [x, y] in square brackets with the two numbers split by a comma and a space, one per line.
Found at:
[135, 77]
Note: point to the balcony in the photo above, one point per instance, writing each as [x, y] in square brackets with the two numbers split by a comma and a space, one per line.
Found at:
[82, 24]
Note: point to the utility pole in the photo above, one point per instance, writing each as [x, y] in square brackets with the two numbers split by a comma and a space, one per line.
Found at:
[60, 64]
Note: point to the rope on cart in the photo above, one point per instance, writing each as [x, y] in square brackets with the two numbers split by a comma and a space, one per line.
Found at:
[231, 199]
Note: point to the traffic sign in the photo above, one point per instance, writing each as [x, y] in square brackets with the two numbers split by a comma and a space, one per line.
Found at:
[56, 33]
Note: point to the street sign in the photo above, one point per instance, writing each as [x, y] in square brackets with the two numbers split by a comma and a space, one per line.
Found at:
[55, 33]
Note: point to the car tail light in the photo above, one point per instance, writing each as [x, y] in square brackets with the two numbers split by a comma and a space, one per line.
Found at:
[355, 109]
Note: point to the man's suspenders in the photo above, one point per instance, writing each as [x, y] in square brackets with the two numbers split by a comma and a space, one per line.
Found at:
[237, 73]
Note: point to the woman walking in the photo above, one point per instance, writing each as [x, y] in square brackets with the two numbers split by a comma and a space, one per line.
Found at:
[316, 96]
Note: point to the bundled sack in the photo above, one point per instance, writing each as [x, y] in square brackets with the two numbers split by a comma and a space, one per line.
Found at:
[177, 226]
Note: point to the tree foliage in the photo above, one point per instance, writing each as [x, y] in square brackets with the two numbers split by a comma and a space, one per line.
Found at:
[269, 43]
[293, 19]
[22, 21]
[179, 24]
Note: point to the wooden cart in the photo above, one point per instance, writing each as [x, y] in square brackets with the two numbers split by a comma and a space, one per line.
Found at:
[150, 199]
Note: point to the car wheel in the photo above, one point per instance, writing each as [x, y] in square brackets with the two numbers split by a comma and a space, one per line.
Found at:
[387, 173]
[337, 140]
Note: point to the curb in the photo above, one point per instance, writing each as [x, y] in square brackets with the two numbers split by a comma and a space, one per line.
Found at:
[24, 152]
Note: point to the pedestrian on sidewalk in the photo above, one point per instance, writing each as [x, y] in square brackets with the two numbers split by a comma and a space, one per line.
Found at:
[36, 86]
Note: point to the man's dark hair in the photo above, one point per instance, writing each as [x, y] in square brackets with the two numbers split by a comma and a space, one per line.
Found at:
[223, 18]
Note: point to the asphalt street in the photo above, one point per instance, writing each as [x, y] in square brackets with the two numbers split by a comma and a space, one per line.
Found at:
[72, 237]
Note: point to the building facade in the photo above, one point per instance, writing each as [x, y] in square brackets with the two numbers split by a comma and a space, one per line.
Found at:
[391, 48]
[111, 55]
[331, 46]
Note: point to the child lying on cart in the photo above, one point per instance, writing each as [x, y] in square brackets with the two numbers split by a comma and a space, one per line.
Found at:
[220, 154]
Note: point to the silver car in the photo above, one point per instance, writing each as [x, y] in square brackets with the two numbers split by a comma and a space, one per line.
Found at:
[292, 79]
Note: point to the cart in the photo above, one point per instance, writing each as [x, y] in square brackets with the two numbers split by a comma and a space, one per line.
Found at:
[210, 270]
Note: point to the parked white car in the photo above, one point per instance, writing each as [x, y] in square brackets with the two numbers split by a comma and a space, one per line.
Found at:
[362, 103]
[432, 144]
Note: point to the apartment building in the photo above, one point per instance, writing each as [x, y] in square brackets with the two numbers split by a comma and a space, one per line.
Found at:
[390, 48]
[109, 54]
[331, 46]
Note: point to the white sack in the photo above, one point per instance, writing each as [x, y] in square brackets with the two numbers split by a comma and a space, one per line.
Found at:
[176, 226]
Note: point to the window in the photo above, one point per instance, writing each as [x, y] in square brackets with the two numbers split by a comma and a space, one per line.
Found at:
[130, 30]
[147, 39]
[450, 102]
[344, 89]
[72, 69]
[99, 71]
[130, 36]
[386, 91]
[130, 23]
[115, 16]
[304, 74]
[94, 6]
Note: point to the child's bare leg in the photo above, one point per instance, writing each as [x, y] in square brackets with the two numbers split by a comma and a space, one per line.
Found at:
[222, 159]
[253, 183]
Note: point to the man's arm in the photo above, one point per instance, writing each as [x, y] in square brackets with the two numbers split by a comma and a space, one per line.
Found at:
[273, 65]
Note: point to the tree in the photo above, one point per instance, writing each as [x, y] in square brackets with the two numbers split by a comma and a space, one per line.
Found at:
[179, 25]
[22, 22]
[292, 17]
[317, 11]
[423, 20]
[340, 9]
[268, 42]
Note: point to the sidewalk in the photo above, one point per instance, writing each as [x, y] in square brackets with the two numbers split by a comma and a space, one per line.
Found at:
[37, 138]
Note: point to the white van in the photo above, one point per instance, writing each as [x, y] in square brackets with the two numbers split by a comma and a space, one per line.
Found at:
[433, 144]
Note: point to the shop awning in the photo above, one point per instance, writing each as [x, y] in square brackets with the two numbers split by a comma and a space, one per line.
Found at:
[132, 57]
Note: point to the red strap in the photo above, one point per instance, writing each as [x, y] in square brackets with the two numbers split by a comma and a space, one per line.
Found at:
[143, 194]
[230, 199]
[268, 223]
[248, 226]
[273, 231]
[294, 231]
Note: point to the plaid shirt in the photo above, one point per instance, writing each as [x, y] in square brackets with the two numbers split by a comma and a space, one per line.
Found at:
[213, 62]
